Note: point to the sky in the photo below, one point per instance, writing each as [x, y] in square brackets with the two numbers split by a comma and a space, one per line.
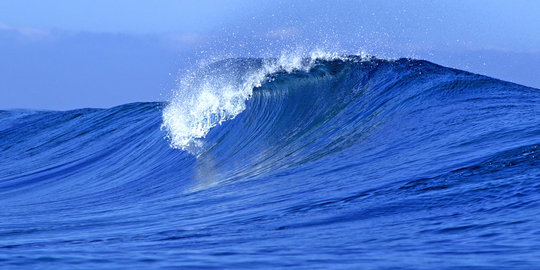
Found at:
[60, 55]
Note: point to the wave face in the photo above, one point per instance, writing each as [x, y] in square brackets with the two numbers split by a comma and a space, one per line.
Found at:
[328, 162]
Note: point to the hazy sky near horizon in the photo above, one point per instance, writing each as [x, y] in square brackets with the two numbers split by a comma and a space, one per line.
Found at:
[72, 54]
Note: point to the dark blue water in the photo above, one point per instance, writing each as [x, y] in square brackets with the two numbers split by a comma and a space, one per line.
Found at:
[347, 164]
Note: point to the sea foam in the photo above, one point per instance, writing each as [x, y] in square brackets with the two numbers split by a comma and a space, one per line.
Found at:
[209, 96]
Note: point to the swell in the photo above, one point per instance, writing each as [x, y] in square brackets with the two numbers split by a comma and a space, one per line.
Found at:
[387, 113]
[55, 156]
[385, 110]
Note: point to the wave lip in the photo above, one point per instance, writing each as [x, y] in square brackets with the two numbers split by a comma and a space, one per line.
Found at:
[216, 93]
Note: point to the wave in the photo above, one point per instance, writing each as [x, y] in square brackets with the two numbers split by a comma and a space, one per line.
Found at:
[216, 93]
[269, 162]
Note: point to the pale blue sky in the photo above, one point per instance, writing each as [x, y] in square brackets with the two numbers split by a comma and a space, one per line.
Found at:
[71, 54]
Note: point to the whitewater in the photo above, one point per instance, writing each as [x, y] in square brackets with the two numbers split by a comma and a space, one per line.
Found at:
[307, 162]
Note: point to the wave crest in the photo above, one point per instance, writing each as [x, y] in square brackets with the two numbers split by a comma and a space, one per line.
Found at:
[217, 92]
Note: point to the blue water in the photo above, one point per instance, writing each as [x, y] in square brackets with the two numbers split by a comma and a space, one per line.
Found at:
[346, 163]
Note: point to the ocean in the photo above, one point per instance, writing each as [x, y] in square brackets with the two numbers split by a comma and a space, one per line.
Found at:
[320, 162]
